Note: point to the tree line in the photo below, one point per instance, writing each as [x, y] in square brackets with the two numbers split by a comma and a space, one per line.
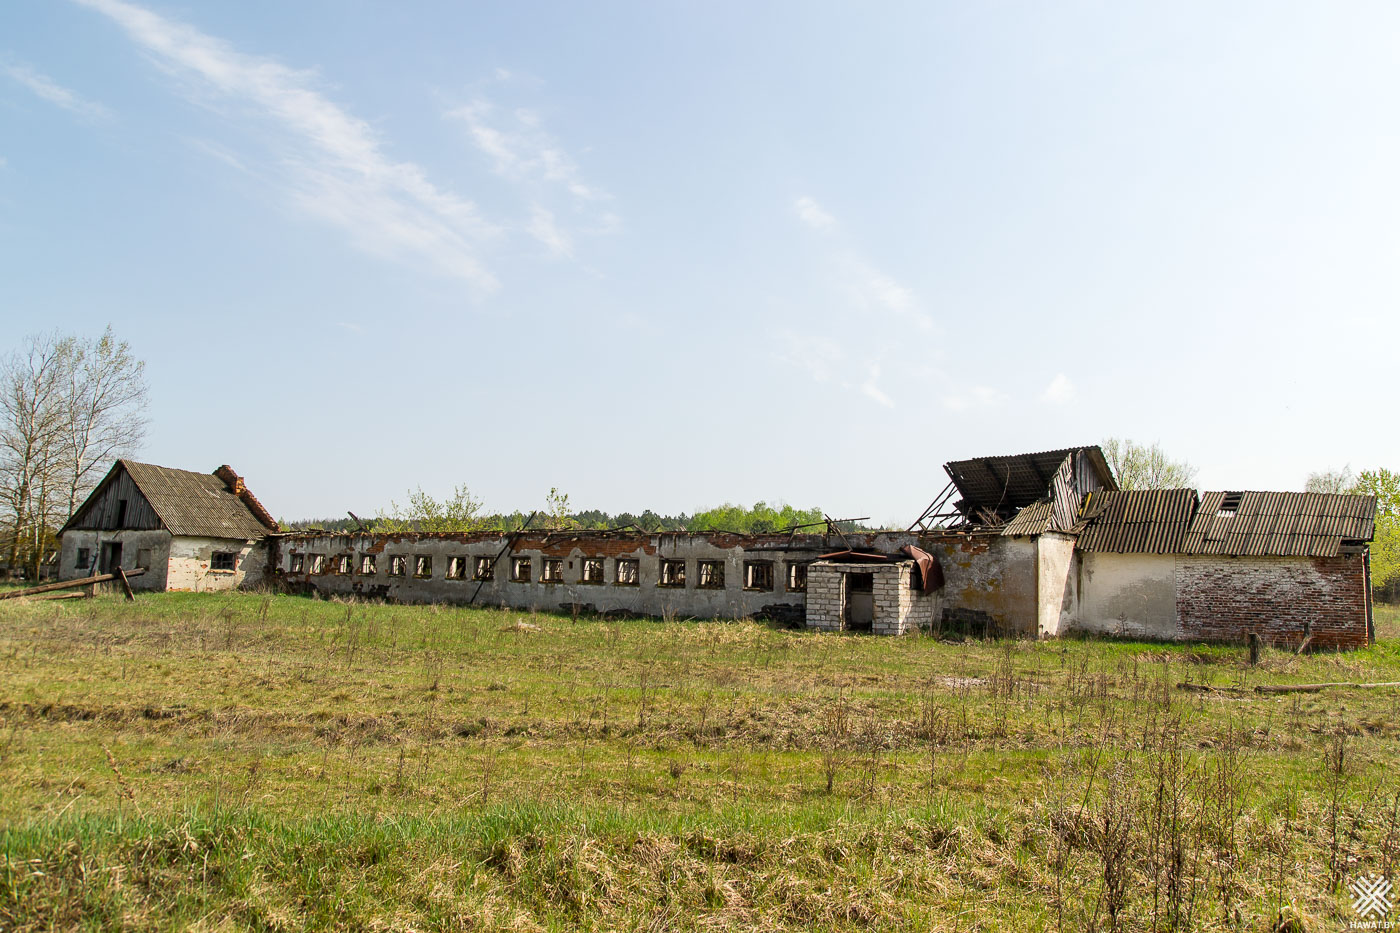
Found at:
[68, 408]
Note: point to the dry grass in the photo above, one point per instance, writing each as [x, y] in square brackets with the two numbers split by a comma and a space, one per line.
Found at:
[274, 762]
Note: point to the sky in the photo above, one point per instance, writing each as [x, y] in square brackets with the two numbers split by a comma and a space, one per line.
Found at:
[669, 255]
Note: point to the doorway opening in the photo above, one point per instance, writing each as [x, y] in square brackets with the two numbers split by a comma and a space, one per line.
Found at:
[111, 556]
[860, 602]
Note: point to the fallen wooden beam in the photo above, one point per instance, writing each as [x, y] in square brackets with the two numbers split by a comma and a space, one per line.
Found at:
[61, 596]
[69, 584]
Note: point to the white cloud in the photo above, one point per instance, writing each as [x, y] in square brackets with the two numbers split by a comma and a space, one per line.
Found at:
[332, 163]
[543, 228]
[974, 397]
[873, 289]
[813, 215]
[871, 390]
[1059, 391]
[821, 356]
[523, 151]
[45, 88]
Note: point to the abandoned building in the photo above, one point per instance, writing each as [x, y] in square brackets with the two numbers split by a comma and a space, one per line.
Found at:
[184, 530]
[1038, 545]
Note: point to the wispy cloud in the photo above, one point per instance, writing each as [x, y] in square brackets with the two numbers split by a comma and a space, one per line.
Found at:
[45, 88]
[974, 398]
[521, 151]
[1059, 391]
[871, 390]
[332, 163]
[813, 215]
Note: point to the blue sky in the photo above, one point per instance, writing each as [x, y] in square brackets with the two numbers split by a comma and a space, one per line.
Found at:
[666, 255]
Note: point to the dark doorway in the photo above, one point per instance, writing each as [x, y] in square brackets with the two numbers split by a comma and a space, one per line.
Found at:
[860, 602]
[111, 556]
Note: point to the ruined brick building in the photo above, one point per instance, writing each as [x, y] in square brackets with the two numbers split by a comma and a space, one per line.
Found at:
[1040, 544]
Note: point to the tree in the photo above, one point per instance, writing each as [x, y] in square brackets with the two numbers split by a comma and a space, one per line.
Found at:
[1336, 482]
[460, 512]
[1385, 548]
[1139, 467]
[66, 408]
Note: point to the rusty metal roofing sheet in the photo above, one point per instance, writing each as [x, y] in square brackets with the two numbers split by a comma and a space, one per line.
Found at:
[1290, 524]
[197, 504]
[1137, 521]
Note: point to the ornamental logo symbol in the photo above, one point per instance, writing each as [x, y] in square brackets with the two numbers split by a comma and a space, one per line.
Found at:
[1371, 895]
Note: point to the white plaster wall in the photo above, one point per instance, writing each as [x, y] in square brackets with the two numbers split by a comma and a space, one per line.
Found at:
[188, 567]
[1127, 594]
[1054, 560]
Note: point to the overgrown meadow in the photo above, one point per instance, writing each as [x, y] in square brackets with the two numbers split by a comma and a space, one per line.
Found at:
[270, 762]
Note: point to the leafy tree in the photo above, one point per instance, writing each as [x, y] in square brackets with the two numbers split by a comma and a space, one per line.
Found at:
[459, 512]
[760, 519]
[1385, 549]
[1137, 466]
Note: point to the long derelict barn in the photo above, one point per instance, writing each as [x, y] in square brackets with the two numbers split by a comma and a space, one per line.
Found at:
[1039, 545]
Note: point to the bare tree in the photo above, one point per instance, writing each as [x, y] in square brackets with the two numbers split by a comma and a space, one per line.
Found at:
[1140, 467]
[1339, 482]
[66, 407]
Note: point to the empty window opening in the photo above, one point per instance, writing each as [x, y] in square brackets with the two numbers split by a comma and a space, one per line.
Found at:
[797, 577]
[593, 570]
[121, 513]
[422, 566]
[318, 563]
[628, 571]
[860, 601]
[143, 558]
[485, 569]
[345, 563]
[398, 565]
[456, 568]
[84, 556]
[672, 573]
[1230, 505]
[711, 575]
[758, 574]
[297, 564]
[552, 571]
[367, 565]
[520, 570]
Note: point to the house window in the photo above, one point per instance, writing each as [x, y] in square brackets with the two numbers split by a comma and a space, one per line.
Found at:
[592, 570]
[456, 568]
[711, 575]
[672, 573]
[520, 570]
[485, 569]
[367, 565]
[84, 555]
[318, 563]
[121, 513]
[297, 564]
[222, 560]
[797, 577]
[758, 575]
[398, 565]
[423, 567]
[553, 571]
[344, 563]
[628, 571]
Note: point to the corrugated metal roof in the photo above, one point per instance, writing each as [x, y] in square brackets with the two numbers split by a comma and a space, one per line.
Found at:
[1137, 521]
[1034, 519]
[1291, 524]
[197, 504]
[1002, 486]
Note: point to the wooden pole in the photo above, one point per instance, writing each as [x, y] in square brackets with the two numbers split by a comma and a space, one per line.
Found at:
[126, 585]
[67, 584]
[1254, 645]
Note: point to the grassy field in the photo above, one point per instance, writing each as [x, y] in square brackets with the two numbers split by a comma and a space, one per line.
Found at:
[270, 762]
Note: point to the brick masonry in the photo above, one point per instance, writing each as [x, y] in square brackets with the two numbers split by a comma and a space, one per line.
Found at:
[899, 609]
[1226, 598]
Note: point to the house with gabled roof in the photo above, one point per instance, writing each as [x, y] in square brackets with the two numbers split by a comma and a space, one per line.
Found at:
[184, 530]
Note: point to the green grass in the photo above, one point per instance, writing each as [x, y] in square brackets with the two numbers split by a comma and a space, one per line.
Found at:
[271, 762]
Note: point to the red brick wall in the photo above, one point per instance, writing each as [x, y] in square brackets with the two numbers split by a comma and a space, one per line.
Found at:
[1226, 598]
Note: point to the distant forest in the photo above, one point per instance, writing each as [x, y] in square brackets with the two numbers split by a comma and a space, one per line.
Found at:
[760, 518]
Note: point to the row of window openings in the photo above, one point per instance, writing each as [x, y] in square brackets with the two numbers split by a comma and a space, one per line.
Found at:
[758, 574]
[219, 560]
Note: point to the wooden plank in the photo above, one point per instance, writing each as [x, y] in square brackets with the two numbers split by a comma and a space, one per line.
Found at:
[126, 585]
[67, 584]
